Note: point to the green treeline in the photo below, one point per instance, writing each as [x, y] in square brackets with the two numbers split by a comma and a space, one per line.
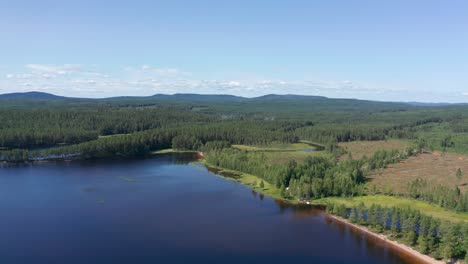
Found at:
[446, 197]
[27, 129]
[382, 158]
[191, 136]
[335, 121]
[315, 177]
[430, 236]
[365, 130]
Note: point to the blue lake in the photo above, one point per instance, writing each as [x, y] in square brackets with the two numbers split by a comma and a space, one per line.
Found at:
[162, 210]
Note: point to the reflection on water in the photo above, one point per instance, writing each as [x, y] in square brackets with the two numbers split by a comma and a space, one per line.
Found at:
[170, 212]
[372, 244]
[221, 172]
[307, 150]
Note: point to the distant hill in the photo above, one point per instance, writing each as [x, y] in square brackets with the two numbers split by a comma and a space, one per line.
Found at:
[31, 95]
[169, 97]
[288, 97]
[199, 97]
[433, 104]
[27, 98]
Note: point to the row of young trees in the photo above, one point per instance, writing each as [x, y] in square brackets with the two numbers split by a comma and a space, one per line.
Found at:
[441, 239]
[383, 158]
[431, 192]
[421, 189]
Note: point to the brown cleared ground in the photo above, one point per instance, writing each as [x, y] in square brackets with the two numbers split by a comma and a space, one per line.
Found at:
[360, 148]
[436, 168]
[283, 153]
[284, 157]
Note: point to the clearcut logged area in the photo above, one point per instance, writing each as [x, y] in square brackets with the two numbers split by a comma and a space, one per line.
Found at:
[359, 149]
[436, 168]
[282, 153]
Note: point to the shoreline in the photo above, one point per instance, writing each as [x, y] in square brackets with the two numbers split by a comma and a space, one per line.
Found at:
[394, 244]
[397, 246]
[75, 157]
[243, 180]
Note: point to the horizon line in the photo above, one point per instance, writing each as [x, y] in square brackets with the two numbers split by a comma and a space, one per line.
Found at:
[224, 94]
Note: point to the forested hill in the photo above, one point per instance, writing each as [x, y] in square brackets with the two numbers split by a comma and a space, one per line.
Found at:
[37, 120]
[216, 102]
[179, 97]
[173, 97]
[32, 95]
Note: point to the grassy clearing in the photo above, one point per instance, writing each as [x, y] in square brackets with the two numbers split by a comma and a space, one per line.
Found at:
[359, 149]
[282, 153]
[437, 168]
[165, 151]
[275, 147]
[107, 136]
[283, 157]
[390, 201]
[252, 181]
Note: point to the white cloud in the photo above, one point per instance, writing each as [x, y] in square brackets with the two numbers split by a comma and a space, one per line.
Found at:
[149, 71]
[84, 81]
[19, 76]
[54, 69]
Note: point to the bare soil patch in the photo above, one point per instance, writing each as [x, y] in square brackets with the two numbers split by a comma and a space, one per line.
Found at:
[360, 148]
[437, 168]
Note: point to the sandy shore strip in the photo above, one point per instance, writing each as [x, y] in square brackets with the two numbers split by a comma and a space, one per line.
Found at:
[399, 246]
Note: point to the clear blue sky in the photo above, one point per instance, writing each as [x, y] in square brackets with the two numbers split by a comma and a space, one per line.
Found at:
[380, 50]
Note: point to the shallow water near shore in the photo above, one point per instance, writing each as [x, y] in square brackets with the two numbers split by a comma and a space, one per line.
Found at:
[163, 210]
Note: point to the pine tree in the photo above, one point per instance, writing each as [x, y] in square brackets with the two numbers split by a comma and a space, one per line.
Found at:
[395, 221]
[387, 219]
[372, 215]
[465, 240]
[412, 222]
[342, 211]
[379, 216]
[433, 235]
[353, 217]
[278, 183]
[283, 191]
[361, 213]
[423, 242]
[405, 220]
[452, 244]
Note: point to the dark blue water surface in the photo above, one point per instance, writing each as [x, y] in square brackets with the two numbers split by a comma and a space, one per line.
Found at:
[161, 210]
